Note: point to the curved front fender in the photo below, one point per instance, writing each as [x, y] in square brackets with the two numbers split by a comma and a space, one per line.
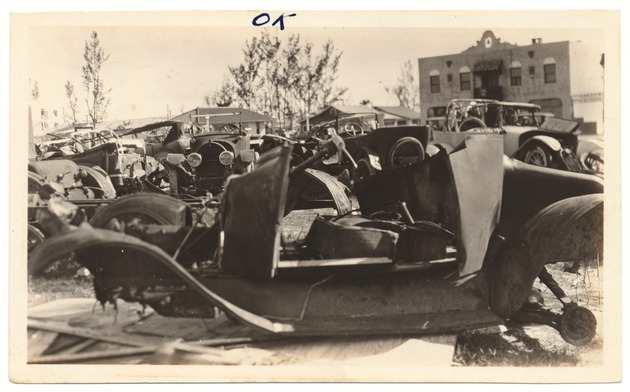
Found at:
[112, 255]
[98, 179]
[570, 229]
[549, 141]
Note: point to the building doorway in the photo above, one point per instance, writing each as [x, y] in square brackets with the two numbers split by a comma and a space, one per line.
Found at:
[487, 85]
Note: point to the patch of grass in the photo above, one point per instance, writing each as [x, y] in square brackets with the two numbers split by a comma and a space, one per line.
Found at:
[513, 348]
[46, 289]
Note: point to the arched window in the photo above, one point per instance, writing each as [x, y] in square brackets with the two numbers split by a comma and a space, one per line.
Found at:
[550, 70]
[434, 81]
[464, 78]
[515, 73]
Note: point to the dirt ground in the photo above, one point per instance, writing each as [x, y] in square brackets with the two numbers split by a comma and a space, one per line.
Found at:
[517, 345]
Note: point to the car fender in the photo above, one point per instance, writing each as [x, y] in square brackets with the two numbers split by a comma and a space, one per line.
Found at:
[97, 179]
[570, 229]
[59, 170]
[549, 141]
[104, 249]
[369, 154]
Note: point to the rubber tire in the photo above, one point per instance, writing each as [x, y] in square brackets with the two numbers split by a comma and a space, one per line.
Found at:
[404, 140]
[363, 167]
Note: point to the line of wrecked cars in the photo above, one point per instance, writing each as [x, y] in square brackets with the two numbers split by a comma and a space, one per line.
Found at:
[435, 242]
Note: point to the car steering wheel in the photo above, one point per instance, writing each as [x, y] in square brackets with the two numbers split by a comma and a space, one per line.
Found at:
[353, 129]
[470, 123]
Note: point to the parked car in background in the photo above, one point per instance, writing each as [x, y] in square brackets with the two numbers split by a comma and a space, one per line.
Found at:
[551, 144]
[436, 123]
[72, 141]
[346, 126]
[123, 160]
[590, 151]
[164, 137]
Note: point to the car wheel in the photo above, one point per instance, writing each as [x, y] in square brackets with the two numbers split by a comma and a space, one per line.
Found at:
[577, 325]
[538, 155]
[406, 151]
[34, 237]
[364, 169]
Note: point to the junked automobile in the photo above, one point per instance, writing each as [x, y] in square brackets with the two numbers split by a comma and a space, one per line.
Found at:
[435, 247]
[195, 161]
[551, 143]
[380, 149]
[72, 141]
[124, 161]
[163, 137]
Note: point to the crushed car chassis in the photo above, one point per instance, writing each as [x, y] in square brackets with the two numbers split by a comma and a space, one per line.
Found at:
[440, 272]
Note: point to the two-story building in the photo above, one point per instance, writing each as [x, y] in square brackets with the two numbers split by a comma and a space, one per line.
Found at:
[564, 78]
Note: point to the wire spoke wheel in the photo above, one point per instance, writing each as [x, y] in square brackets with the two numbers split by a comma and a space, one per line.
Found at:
[537, 156]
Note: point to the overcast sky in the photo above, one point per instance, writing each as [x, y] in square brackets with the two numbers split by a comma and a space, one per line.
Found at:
[153, 66]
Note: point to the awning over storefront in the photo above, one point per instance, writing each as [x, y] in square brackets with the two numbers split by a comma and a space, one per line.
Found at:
[487, 65]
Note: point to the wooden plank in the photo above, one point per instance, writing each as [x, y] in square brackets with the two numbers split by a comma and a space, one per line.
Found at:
[84, 357]
[65, 343]
[112, 336]
[39, 341]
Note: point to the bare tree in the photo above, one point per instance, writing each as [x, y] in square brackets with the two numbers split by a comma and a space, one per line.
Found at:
[35, 91]
[315, 89]
[286, 81]
[72, 101]
[247, 75]
[406, 90]
[223, 97]
[96, 99]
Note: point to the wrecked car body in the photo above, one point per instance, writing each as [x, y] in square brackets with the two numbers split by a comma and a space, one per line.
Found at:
[195, 162]
[123, 160]
[424, 256]
[552, 143]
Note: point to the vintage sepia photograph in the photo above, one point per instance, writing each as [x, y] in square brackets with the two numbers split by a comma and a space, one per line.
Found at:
[282, 195]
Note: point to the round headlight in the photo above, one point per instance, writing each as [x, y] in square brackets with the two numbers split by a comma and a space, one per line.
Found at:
[194, 159]
[226, 158]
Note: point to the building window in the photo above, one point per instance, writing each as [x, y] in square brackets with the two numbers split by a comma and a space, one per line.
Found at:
[515, 76]
[464, 81]
[550, 73]
[449, 78]
[515, 73]
[464, 78]
[550, 70]
[532, 70]
[435, 84]
[436, 111]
